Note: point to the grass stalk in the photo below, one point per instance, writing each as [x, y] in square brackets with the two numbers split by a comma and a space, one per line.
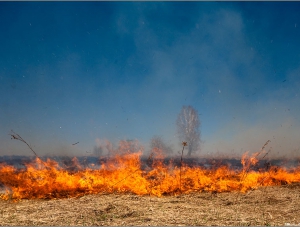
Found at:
[183, 145]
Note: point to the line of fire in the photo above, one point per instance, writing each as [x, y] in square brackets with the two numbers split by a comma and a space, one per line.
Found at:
[128, 171]
[45, 178]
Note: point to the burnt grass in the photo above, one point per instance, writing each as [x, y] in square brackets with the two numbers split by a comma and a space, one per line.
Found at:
[276, 205]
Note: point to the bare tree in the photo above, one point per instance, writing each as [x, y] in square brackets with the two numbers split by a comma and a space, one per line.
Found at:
[188, 124]
[157, 142]
[103, 147]
[98, 151]
[129, 146]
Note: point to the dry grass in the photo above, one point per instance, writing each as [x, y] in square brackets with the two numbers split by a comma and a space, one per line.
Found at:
[264, 206]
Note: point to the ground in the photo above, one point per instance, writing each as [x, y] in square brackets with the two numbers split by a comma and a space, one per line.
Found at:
[278, 205]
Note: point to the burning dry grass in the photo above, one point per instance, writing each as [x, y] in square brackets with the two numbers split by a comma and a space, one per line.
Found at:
[121, 192]
[123, 174]
[275, 205]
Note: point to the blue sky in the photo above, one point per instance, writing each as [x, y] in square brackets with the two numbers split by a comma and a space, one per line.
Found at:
[82, 71]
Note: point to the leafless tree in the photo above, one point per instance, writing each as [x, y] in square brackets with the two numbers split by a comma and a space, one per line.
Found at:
[157, 142]
[188, 124]
[103, 147]
[129, 146]
[98, 151]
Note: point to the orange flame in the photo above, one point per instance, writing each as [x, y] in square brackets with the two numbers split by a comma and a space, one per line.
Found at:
[123, 173]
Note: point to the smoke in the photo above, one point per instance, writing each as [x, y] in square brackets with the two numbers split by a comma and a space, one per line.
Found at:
[106, 148]
[103, 147]
[158, 143]
[127, 73]
[284, 141]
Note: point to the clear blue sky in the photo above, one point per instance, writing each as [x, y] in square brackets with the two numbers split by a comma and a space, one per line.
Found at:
[78, 71]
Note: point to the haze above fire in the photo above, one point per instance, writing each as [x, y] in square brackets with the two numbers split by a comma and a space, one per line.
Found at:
[81, 71]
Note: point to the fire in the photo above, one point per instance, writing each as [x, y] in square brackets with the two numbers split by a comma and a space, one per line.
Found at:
[123, 174]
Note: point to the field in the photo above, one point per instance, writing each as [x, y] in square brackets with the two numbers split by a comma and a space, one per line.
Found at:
[276, 205]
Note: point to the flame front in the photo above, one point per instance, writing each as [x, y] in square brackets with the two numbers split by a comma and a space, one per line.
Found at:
[123, 173]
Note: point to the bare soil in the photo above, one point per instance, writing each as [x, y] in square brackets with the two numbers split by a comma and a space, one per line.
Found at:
[265, 206]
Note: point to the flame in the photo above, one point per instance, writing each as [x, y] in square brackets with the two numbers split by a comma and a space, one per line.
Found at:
[123, 174]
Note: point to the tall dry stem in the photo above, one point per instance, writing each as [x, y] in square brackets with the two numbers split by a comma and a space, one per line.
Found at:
[16, 136]
[183, 145]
